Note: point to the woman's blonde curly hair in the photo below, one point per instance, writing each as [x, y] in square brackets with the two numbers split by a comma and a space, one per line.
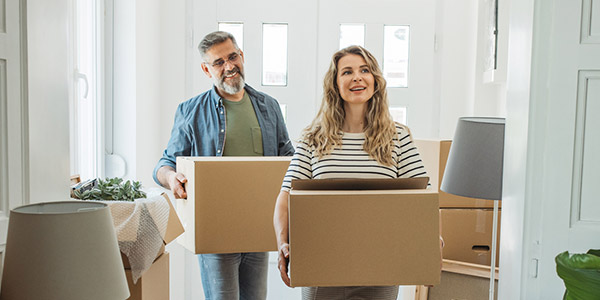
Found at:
[325, 131]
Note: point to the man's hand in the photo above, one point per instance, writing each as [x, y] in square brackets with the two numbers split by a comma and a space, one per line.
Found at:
[283, 261]
[176, 184]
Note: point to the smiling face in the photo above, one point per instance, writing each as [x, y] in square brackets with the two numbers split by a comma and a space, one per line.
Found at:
[355, 81]
[224, 63]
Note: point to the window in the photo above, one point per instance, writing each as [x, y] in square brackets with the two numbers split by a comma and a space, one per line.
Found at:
[398, 114]
[85, 113]
[352, 34]
[236, 29]
[274, 68]
[395, 55]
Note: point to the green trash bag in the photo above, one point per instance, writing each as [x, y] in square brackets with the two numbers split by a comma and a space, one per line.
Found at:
[581, 274]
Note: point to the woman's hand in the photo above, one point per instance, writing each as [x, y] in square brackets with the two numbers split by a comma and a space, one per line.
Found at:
[283, 262]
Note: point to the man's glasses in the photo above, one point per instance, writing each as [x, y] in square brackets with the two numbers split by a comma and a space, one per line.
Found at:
[219, 63]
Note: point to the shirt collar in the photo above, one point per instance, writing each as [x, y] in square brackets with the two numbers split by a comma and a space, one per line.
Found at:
[218, 100]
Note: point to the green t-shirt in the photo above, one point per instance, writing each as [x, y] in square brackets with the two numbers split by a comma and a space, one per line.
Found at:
[243, 136]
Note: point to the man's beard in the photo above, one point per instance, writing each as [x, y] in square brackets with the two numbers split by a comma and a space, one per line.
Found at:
[232, 86]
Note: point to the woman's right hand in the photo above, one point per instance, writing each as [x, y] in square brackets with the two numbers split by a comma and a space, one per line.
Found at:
[283, 262]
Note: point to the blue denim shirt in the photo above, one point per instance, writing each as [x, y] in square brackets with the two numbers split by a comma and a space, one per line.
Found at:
[199, 128]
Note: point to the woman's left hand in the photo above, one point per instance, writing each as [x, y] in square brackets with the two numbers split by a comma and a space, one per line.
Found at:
[283, 262]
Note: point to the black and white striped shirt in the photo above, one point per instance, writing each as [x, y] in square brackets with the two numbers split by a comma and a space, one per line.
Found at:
[351, 161]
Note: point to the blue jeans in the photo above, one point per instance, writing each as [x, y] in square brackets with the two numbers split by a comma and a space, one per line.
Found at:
[234, 276]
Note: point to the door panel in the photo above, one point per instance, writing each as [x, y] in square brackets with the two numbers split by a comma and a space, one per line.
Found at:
[584, 200]
[570, 212]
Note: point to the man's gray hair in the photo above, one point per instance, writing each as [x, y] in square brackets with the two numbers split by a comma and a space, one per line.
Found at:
[214, 38]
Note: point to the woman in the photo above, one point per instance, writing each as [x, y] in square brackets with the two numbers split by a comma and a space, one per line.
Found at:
[352, 136]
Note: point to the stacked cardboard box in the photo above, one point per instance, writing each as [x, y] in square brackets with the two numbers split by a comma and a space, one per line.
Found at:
[466, 227]
[463, 281]
[466, 222]
[154, 283]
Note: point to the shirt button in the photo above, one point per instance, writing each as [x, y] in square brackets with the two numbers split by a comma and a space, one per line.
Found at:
[221, 112]
[218, 151]
[222, 130]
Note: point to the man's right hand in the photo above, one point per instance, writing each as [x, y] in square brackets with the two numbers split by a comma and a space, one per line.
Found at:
[176, 184]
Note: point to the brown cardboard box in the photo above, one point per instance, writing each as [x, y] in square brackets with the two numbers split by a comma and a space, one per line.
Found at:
[154, 284]
[467, 235]
[434, 154]
[230, 203]
[463, 281]
[174, 229]
[363, 238]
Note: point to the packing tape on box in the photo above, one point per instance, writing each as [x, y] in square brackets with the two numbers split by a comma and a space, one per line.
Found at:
[483, 218]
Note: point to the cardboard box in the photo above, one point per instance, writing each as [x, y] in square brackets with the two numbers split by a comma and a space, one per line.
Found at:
[154, 284]
[364, 238]
[434, 154]
[463, 281]
[467, 235]
[230, 203]
[174, 229]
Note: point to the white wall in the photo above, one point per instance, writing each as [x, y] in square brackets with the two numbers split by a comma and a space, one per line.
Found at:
[456, 38]
[149, 76]
[48, 100]
[459, 69]
[124, 88]
[137, 86]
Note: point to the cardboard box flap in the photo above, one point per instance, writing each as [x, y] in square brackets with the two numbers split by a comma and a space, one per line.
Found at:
[174, 226]
[360, 184]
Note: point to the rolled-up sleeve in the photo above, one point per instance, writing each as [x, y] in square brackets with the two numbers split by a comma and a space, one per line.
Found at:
[180, 143]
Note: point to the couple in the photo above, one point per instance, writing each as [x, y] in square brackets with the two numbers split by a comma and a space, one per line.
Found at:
[353, 119]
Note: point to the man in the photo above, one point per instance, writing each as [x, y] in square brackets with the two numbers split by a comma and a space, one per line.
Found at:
[231, 119]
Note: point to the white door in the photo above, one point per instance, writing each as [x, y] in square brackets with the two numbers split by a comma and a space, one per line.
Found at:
[12, 192]
[419, 16]
[566, 199]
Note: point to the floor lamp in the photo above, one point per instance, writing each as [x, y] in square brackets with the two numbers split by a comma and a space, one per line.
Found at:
[474, 167]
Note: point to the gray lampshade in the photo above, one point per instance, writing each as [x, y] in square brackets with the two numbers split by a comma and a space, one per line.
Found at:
[474, 167]
[63, 250]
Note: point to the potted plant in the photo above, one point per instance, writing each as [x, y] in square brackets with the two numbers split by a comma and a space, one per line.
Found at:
[109, 189]
[580, 273]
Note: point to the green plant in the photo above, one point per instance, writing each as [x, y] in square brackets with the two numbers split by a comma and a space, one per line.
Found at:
[112, 189]
[580, 273]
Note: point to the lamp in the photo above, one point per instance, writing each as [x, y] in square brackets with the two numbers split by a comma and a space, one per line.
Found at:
[62, 250]
[474, 167]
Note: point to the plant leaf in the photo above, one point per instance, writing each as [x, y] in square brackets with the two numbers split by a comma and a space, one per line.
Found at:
[581, 275]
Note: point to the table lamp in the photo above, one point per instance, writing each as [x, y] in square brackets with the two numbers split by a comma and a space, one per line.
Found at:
[62, 250]
[474, 167]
